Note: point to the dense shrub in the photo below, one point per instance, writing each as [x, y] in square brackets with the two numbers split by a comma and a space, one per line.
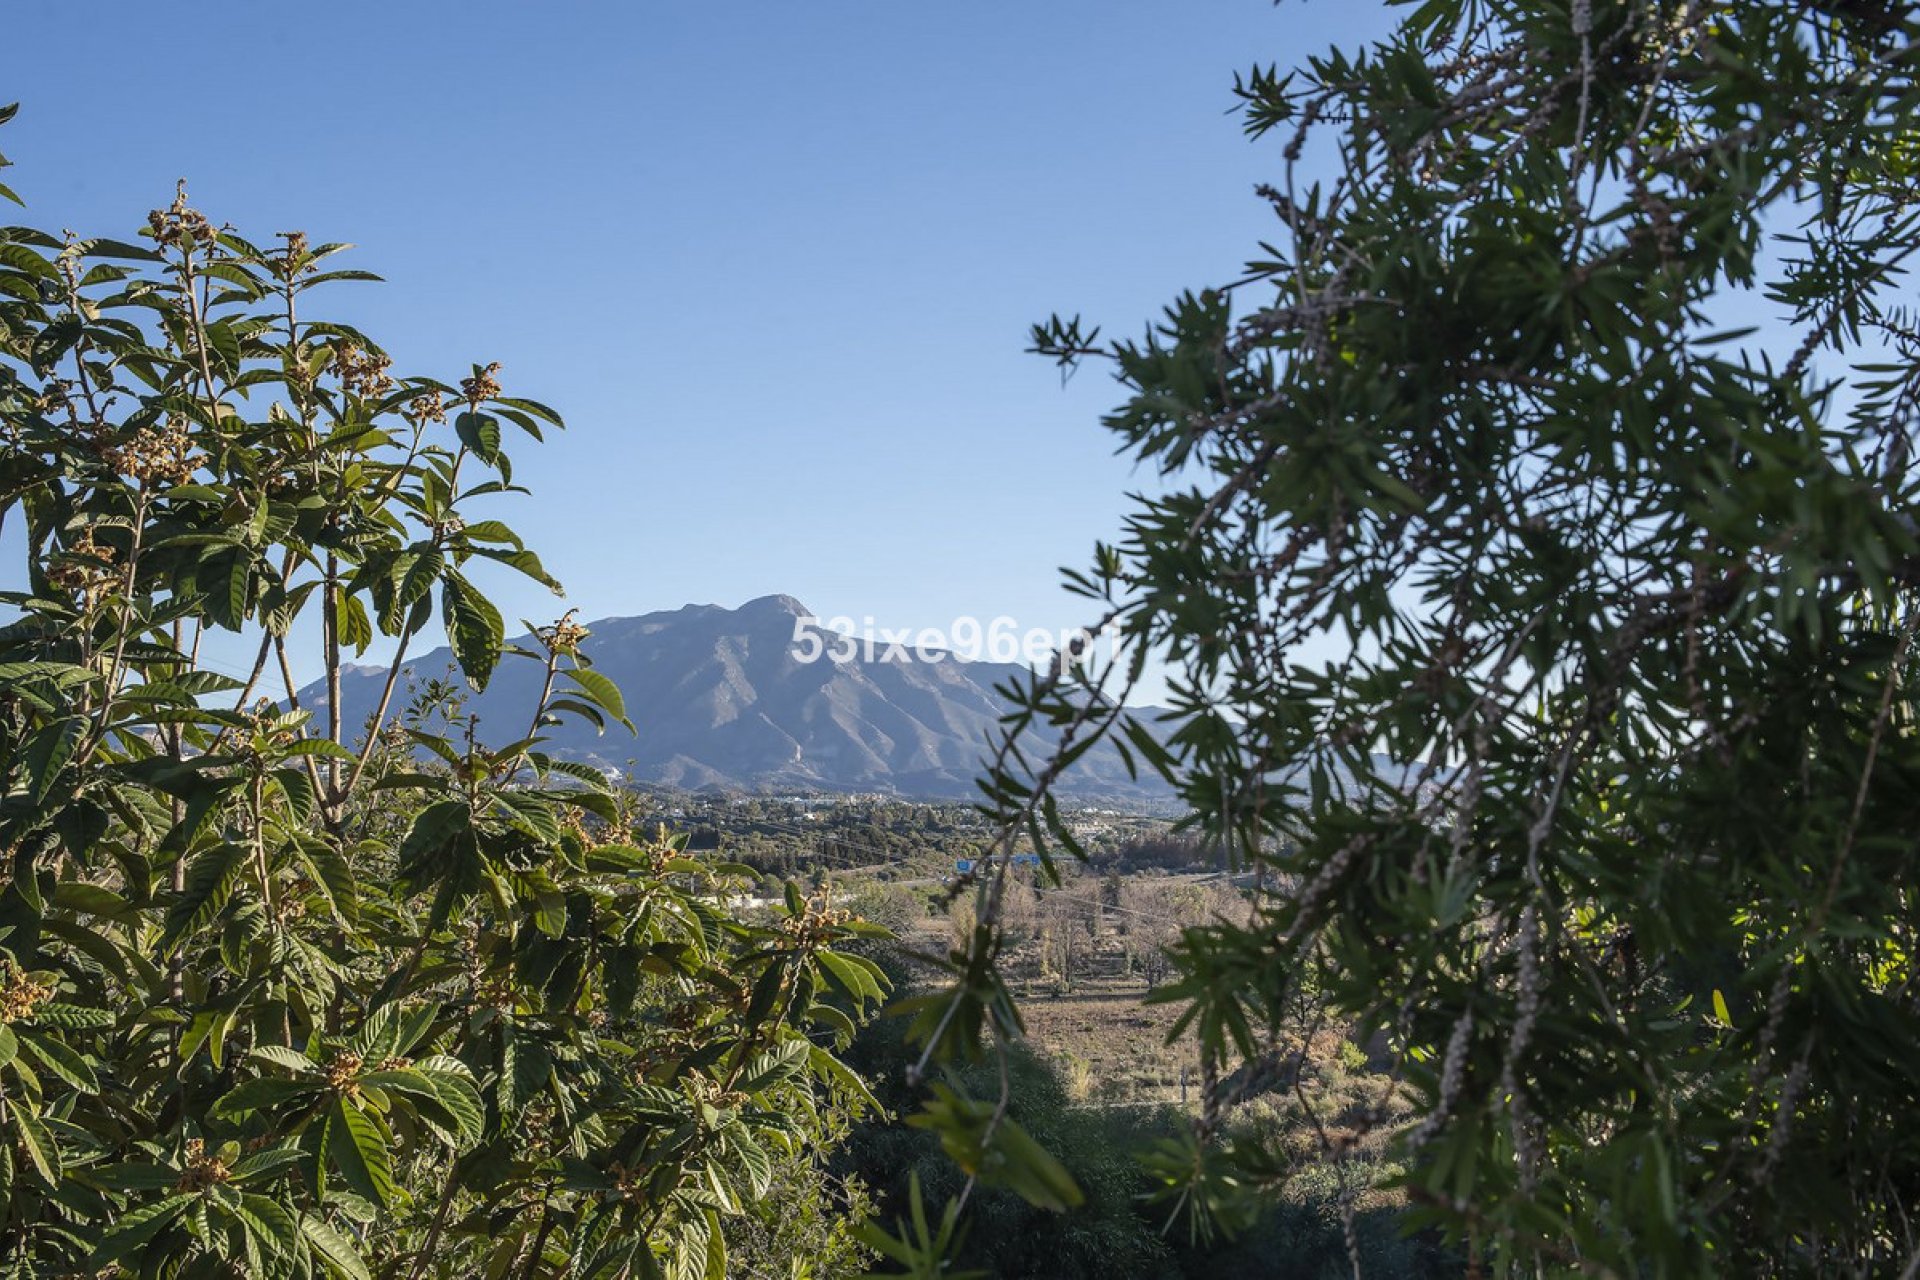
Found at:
[284, 996]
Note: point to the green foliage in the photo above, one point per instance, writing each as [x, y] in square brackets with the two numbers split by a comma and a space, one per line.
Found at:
[1294, 1226]
[281, 996]
[1545, 636]
[922, 1247]
[807, 1225]
[1002, 1232]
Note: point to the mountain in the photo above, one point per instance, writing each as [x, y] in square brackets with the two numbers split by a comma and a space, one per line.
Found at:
[721, 698]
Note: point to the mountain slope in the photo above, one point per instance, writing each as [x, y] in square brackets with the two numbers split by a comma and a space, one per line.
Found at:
[721, 698]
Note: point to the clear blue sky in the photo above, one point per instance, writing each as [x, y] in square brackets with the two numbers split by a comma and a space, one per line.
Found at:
[774, 261]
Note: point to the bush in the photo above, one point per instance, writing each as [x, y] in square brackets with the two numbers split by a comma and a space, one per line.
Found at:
[279, 996]
[1296, 1232]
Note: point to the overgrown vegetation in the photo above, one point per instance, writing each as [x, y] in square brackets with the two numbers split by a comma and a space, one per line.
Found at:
[1296, 1232]
[276, 997]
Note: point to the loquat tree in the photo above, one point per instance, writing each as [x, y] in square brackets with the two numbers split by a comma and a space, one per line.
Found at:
[282, 996]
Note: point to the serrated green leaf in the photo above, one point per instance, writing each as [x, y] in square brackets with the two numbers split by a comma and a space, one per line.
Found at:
[480, 432]
[135, 1228]
[43, 1154]
[335, 1250]
[360, 1153]
[474, 627]
[601, 691]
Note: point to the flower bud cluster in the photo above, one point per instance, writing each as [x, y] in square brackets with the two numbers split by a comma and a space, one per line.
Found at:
[363, 373]
[21, 996]
[179, 225]
[155, 455]
[482, 385]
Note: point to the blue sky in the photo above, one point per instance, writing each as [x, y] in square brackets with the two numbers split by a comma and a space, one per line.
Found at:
[775, 262]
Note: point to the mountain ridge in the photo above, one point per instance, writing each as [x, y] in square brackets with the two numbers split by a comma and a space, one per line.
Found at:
[721, 699]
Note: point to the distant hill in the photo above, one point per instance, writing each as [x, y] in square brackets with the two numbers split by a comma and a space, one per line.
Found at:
[721, 699]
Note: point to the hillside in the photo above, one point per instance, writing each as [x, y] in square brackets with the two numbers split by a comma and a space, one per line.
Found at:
[720, 699]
